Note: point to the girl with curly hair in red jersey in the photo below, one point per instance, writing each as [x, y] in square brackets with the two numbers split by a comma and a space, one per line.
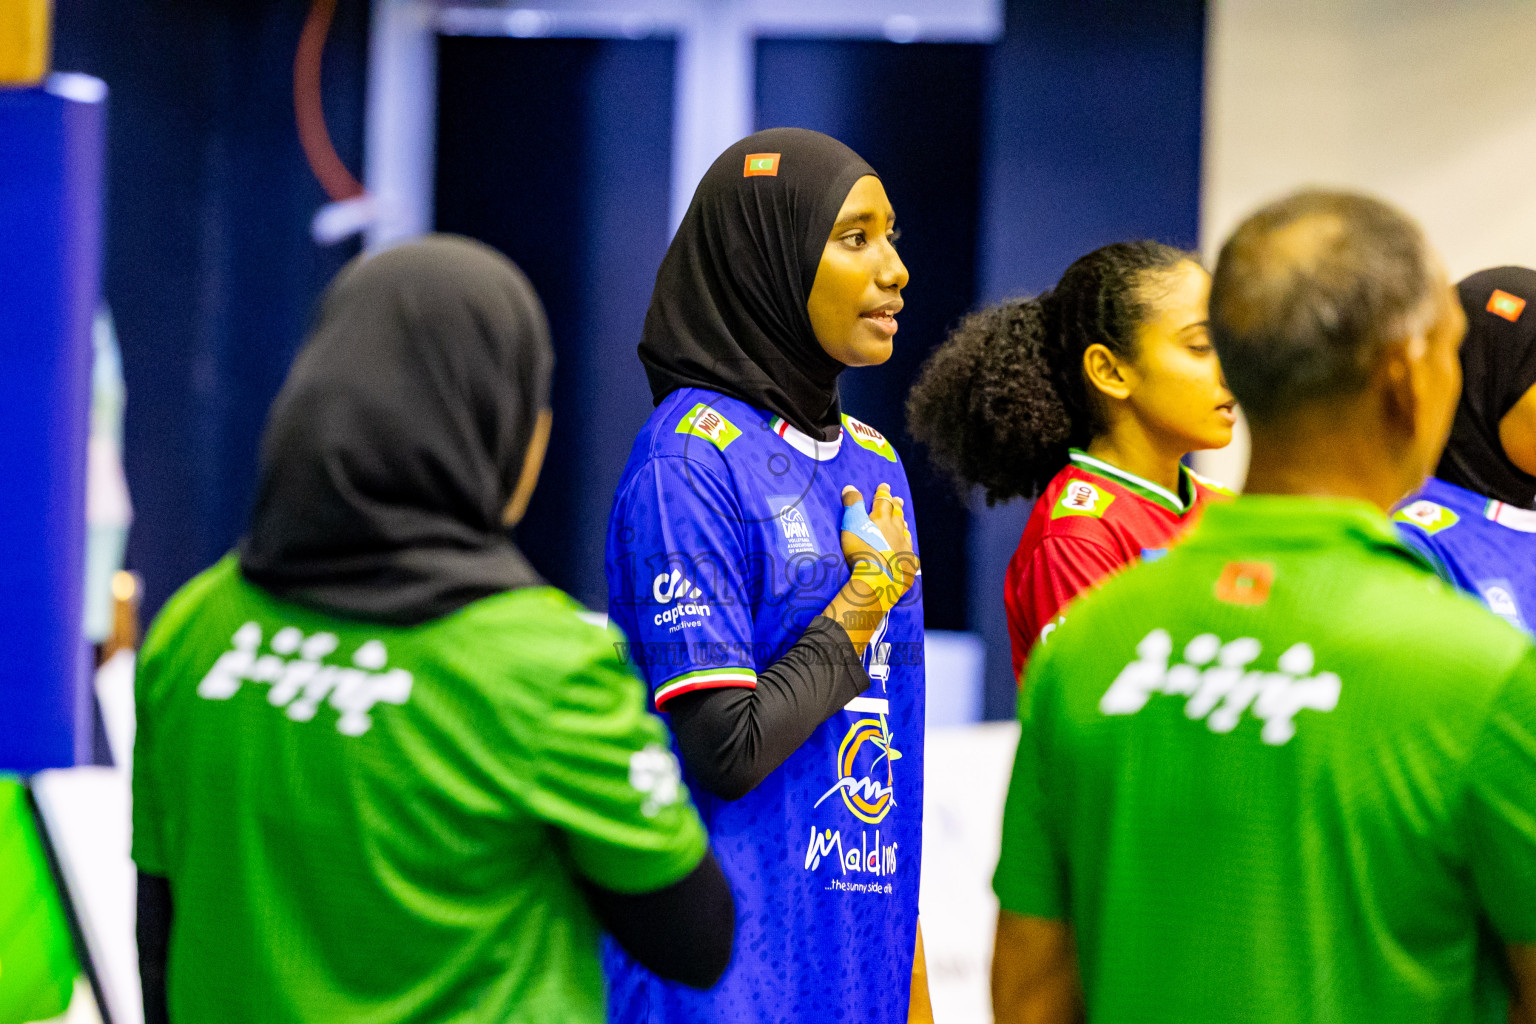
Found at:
[1086, 399]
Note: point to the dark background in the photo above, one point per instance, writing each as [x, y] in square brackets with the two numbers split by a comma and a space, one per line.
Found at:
[1004, 164]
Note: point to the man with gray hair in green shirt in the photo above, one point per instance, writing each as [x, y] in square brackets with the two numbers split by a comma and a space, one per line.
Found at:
[1284, 774]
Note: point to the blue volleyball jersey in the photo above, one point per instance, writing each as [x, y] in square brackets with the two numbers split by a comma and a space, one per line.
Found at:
[722, 547]
[1485, 547]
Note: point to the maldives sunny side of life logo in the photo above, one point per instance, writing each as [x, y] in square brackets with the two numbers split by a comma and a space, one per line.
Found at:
[866, 786]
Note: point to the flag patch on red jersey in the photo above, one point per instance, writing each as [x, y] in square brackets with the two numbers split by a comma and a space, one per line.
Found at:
[1503, 304]
[761, 163]
[1245, 583]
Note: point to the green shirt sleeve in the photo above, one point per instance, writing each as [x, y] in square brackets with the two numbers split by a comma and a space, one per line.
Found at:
[1030, 878]
[1501, 794]
[607, 779]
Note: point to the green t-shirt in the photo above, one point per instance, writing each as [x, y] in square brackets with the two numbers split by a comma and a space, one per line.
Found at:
[373, 824]
[37, 955]
[1282, 774]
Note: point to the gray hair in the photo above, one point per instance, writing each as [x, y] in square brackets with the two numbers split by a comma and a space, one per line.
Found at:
[1309, 289]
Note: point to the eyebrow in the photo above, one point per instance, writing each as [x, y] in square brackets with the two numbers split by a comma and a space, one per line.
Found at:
[856, 218]
[1198, 323]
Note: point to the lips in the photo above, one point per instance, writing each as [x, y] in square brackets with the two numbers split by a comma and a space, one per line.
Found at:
[1228, 411]
[883, 318]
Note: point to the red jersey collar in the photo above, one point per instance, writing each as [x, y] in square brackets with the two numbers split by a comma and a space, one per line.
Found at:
[1137, 485]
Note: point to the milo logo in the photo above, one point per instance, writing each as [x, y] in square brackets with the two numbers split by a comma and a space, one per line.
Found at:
[704, 422]
[1427, 516]
[1081, 498]
[868, 437]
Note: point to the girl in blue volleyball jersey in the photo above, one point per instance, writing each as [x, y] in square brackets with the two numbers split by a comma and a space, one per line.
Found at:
[1476, 517]
[772, 613]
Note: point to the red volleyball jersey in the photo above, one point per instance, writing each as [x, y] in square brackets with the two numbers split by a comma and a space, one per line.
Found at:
[1092, 519]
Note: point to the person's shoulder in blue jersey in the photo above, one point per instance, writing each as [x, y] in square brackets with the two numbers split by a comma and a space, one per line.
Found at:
[773, 614]
[1476, 518]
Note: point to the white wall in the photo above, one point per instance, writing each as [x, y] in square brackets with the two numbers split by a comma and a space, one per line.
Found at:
[1430, 104]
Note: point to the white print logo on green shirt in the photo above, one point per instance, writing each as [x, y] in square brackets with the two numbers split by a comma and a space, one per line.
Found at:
[300, 681]
[653, 771]
[1220, 687]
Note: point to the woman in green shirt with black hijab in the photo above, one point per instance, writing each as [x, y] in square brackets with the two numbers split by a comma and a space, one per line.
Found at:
[383, 772]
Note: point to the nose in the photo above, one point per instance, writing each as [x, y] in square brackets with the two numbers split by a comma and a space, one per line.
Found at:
[892, 274]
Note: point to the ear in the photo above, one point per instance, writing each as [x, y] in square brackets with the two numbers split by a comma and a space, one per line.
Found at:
[1108, 373]
[1401, 374]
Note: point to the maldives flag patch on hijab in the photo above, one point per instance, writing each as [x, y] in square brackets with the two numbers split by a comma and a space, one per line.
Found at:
[1500, 303]
[761, 163]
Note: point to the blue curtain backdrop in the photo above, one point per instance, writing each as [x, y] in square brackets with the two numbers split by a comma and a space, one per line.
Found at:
[1093, 117]
[570, 180]
[915, 113]
[210, 270]
[1004, 163]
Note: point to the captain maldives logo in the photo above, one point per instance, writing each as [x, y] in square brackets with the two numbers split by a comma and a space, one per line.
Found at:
[681, 599]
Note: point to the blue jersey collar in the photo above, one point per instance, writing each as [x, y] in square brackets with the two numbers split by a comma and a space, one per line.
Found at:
[821, 451]
[1521, 520]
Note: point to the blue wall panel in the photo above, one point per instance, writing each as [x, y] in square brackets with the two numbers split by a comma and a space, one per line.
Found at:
[51, 142]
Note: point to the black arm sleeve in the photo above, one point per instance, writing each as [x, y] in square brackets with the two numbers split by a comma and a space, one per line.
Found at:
[731, 738]
[153, 931]
[681, 933]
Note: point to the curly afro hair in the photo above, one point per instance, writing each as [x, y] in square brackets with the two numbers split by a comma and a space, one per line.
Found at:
[1000, 402]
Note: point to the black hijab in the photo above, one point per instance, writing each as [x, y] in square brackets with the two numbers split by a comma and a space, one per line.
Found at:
[728, 312]
[1498, 363]
[399, 437]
